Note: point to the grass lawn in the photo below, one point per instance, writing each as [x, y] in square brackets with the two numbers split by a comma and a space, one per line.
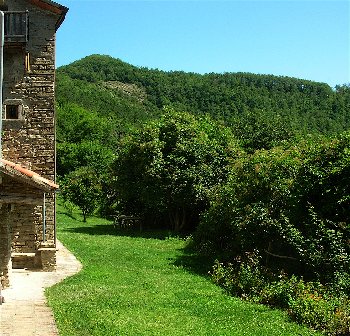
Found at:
[147, 284]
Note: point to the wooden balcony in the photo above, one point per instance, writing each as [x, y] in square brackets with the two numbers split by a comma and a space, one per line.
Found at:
[16, 27]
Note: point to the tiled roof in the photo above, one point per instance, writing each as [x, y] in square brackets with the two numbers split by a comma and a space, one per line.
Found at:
[15, 169]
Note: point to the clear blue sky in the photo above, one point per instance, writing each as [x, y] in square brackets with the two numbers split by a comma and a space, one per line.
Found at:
[307, 39]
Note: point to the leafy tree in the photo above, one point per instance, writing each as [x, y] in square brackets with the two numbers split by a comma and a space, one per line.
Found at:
[86, 153]
[82, 188]
[77, 124]
[258, 130]
[166, 170]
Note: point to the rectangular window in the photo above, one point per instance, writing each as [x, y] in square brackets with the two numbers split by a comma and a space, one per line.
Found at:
[12, 111]
[16, 27]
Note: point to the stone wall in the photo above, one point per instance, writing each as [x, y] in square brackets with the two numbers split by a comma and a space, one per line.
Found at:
[26, 219]
[5, 250]
[30, 140]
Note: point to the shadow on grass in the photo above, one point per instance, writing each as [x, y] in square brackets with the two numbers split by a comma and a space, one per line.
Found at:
[188, 259]
[67, 213]
[193, 262]
[109, 229]
[94, 230]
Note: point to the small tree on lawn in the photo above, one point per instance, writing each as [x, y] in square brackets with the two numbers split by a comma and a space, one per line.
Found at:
[82, 188]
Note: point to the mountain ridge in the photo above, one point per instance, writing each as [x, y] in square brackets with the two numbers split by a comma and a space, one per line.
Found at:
[302, 106]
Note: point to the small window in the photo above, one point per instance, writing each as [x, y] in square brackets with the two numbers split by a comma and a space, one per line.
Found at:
[12, 111]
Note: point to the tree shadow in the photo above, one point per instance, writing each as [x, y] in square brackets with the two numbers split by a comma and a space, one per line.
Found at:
[193, 262]
[67, 213]
[93, 230]
[109, 229]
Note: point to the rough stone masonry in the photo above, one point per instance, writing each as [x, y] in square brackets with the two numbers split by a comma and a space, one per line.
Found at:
[28, 134]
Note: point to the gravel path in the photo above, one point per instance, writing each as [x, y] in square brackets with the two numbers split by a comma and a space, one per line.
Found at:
[25, 311]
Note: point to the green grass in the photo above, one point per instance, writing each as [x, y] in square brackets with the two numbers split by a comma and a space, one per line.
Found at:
[148, 284]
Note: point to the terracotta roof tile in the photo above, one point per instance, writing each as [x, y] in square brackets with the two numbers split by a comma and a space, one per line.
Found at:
[29, 174]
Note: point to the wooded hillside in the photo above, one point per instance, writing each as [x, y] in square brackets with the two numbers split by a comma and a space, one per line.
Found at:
[246, 102]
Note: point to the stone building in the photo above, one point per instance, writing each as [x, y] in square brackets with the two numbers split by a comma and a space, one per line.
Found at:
[27, 159]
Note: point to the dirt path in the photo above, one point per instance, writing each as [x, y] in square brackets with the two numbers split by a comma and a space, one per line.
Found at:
[25, 311]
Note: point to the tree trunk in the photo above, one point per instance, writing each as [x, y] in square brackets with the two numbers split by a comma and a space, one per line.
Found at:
[178, 219]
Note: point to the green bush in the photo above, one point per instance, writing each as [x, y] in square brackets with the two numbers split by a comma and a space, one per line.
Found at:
[165, 171]
[281, 293]
[308, 303]
[329, 314]
[273, 203]
[288, 208]
[243, 278]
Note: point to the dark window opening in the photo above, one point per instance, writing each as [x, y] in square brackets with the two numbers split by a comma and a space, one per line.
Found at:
[12, 111]
[16, 27]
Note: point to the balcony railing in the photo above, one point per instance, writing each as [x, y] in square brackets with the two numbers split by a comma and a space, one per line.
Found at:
[16, 27]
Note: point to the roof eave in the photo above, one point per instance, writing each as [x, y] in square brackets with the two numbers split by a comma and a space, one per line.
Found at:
[26, 176]
[53, 7]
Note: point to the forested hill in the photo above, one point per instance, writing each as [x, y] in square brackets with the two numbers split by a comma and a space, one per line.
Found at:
[247, 102]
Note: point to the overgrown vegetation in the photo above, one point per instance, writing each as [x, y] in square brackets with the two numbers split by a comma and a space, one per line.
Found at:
[284, 213]
[256, 167]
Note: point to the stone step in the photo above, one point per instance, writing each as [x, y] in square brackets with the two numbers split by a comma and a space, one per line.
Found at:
[23, 260]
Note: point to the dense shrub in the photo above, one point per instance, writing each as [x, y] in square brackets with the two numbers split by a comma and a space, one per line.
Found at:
[309, 303]
[165, 170]
[289, 209]
[326, 313]
[243, 277]
[273, 203]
